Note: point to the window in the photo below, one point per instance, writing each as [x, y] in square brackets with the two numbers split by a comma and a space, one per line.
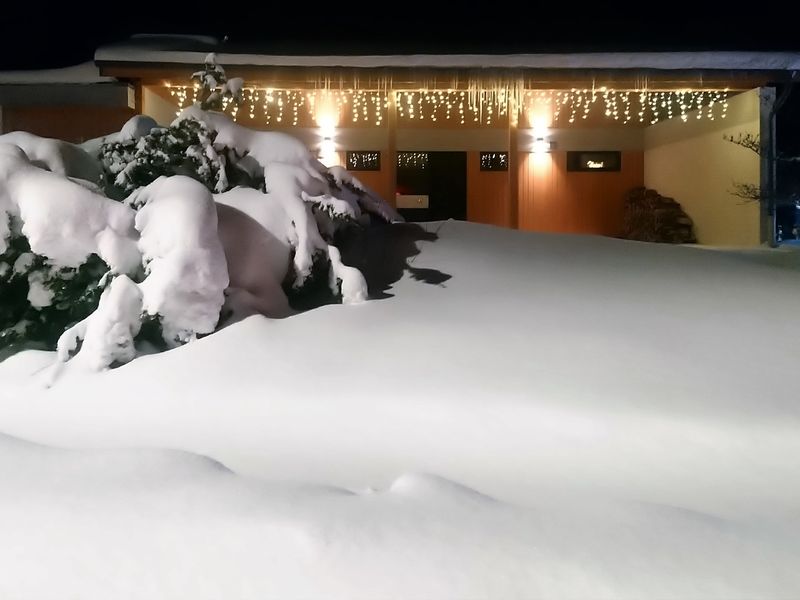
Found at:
[363, 160]
[412, 160]
[494, 161]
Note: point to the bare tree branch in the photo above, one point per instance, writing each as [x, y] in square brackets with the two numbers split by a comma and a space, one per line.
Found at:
[748, 140]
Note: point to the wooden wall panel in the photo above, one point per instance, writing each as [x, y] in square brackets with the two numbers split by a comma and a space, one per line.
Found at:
[553, 199]
[487, 193]
[379, 181]
[70, 123]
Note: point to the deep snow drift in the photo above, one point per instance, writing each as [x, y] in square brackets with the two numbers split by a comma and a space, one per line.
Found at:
[164, 524]
[629, 406]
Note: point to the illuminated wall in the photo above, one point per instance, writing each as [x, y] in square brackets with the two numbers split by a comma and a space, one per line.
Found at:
[692, 163]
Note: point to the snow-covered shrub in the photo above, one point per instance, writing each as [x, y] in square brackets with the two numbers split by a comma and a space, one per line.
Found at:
[185, 270]
[38, 300]
[57, 156]
[214, 84]
[186, 148]
[136, 127]
[107, 334]
[153, 253]
[58, 241]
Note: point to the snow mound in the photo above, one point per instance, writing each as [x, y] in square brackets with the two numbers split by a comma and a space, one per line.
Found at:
[107, 334]
[62, 220]
[257, 234]
[134, 128]
[57, 156]
[346, 280]
[186, 272]
[426, 485]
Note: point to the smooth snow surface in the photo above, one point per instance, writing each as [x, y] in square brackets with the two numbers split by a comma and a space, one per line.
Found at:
[164, 524]
[562, 417]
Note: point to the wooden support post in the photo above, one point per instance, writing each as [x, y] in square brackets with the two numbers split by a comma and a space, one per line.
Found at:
[513, 167]
[391, 150]
[766, 103]
[138, 101]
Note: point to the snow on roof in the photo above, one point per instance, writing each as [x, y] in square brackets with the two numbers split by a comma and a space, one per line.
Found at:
[84, 73]
[175, 38]
[174, 52]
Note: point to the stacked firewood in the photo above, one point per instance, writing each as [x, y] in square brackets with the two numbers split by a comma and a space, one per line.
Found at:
[650, 217]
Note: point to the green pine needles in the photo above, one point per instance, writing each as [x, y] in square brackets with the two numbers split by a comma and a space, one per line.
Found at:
[38, 301]
[186, 148]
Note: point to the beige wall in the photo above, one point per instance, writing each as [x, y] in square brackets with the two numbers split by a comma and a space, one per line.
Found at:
[157, 107]
[622, 138]
[692, 163]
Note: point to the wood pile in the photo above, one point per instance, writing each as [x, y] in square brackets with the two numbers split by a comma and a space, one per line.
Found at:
[651, 217]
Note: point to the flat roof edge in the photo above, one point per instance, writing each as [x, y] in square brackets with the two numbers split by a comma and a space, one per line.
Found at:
[733, 61]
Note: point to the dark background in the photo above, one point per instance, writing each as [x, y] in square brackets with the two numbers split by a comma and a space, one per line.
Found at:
[34, 34]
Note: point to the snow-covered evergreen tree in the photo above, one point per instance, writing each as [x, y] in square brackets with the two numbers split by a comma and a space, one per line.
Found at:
[186, 148]
[214, 85]
[39, 300]
[190, 214]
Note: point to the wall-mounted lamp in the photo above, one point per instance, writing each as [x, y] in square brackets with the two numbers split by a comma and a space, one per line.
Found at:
[327, 119]
[540, 133]
[541, 145]
[327, 152]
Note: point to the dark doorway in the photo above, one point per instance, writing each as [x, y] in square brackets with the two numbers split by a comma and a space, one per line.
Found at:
[439, 176]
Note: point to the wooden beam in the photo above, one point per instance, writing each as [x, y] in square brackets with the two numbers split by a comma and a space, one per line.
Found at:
[391, 148]
[457, 79]
[514, 165]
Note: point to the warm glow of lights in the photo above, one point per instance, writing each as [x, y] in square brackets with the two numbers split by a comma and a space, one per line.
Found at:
[540, 145]
[480, 103]
[327, 152]
[327, 115]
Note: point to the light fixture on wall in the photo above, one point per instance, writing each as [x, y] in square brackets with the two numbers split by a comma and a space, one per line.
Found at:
[327, 120]
[540, 133]
[327, 152]
[541, 145]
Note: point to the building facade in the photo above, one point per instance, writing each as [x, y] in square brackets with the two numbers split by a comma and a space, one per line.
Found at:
[541, 142]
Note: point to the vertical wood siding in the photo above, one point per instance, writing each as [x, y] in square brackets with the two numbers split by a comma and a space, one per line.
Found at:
[552, 199]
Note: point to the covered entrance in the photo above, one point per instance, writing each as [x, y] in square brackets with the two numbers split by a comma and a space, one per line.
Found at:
[432, 186]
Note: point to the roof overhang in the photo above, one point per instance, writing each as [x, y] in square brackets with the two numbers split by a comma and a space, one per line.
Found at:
[736, 61]
[117, 94]
[670, 70]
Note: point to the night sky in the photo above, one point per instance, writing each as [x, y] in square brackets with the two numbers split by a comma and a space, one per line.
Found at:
[71, 33]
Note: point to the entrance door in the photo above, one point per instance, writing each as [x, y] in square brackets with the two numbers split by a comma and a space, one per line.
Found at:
[432, 186]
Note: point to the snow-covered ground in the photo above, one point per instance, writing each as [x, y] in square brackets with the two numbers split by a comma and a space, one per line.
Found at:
[564, 416]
